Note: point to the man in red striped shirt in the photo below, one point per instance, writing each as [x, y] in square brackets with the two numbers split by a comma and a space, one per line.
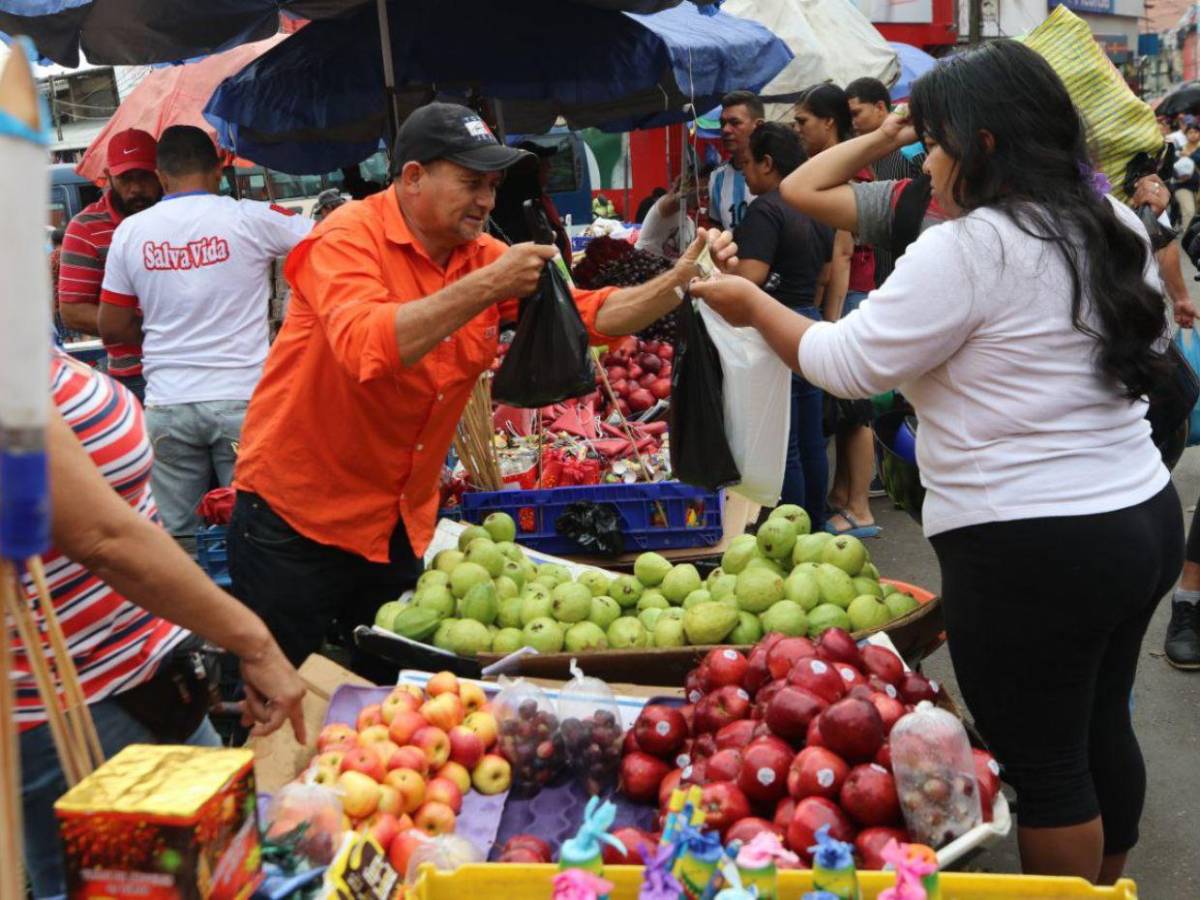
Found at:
[133, 186]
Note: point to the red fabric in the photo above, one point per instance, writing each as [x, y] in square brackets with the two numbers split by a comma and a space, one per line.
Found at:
[217, 506]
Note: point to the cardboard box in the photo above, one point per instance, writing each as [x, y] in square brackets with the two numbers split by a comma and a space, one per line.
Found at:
[279, 756]
[163, 823]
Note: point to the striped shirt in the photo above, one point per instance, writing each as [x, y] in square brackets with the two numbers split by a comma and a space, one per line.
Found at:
[81, 272]
[116, 645]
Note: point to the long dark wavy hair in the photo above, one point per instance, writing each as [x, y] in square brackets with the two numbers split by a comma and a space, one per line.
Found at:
[1036, 170]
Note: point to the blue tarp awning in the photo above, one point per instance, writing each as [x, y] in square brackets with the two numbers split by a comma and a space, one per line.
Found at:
[316, 102]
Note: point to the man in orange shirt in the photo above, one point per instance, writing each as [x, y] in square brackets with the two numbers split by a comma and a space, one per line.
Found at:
[395, 310]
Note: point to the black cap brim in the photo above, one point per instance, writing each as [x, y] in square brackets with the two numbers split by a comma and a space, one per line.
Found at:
[489, 158]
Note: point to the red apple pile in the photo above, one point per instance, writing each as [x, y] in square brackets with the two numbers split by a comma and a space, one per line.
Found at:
[787, 739]
[639, 373]
[405, 765]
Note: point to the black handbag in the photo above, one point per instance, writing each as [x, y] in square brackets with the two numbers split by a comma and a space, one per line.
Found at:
[1171, 405]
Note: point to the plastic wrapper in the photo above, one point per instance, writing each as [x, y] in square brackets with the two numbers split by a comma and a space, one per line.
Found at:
[306, 819]
[935, 775]
[700, 453]
[591, 729]
[530, 737]
[549, 358]
[446, 851]
[596, 527]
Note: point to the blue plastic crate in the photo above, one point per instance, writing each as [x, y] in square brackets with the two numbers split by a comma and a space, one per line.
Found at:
[212, 555]
[641, 507]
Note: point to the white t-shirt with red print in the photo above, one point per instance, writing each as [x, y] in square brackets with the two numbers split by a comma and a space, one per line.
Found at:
[198, 266]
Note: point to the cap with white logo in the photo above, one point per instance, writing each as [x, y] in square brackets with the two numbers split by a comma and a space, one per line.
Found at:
[452, 132]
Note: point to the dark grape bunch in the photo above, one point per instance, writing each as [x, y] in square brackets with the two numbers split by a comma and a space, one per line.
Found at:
[533, 744]
[594, 749]
[664, 330]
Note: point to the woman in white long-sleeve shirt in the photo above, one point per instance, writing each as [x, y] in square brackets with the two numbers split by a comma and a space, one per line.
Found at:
[1026, 332]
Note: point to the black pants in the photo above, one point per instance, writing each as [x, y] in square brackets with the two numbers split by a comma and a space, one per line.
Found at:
[1193, 538]
[1045, 619]
[300, 587]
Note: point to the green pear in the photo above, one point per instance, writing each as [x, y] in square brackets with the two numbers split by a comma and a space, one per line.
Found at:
[900, 604]
[827, 616]
[585, 636]
[480, 604]
[509, 614]
[511, 551]
[867, 613]
[709, 623]
[508, 640]
[515, 572]
[651, 568]
[748, 630]
[847, 553]
[869, 570]
[596, 582]
[801, 523]
[809, 547]
[627, 632]
[446, 560]
[739, 552]
[536, 606]
[435, 598]
[652, 601]
[560, 574]
[626, 590]
[787, 618]
[758, 590]
[695, 598]
[681, 581]
[572, 602]
[467, 637]
[441, 637]
[604, 611]
[433, 578]
[506, 587]
[770, 565]
[501, 527]
[387, 613]
[544, 635]
[865, 585]
[776, 538]
[801, 588]
[674, 612]
[485, 554]
[471, 533]
[465, 576]
[723, 587]
[668, 632]
[836, 586]
[713, 576]
[648, 617]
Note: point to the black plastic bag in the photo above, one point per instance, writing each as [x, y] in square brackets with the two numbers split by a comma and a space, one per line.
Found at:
[700, 452]
[596, 527]
[548, 359]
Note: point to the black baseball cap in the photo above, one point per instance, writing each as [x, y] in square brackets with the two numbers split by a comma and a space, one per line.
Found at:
[452, 132]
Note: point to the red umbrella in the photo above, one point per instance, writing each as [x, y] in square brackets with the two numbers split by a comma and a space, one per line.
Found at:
[175, 95]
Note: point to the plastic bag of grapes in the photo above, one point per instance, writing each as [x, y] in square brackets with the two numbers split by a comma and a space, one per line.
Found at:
[591, 729]
[530, 737]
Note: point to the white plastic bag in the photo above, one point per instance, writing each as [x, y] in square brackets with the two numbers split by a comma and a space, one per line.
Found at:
[758, 407]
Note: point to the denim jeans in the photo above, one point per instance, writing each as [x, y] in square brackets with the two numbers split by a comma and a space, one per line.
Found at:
[806, 472]
[194, 451]
[853, 300]
[42, 783]
[300, 587]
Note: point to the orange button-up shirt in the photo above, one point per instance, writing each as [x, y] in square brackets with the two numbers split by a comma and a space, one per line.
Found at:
[342, 438]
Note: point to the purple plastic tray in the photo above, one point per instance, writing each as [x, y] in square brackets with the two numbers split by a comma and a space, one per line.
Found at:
[554, 814]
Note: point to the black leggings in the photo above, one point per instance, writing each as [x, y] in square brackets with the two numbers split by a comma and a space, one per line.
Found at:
[1045, 619]
[1193, 538]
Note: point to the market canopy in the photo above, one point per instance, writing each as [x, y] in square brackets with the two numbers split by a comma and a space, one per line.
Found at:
[914, 63]
[138, 32]
[173, 95]
[316, 102]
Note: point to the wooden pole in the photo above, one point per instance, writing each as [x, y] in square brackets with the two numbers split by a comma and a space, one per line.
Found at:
[12, 882]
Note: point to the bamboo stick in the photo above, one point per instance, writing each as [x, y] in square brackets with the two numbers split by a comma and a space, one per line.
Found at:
[12, 882]
[68, 752]
[79, 715]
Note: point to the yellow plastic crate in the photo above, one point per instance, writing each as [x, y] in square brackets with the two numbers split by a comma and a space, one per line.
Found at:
[529, 882]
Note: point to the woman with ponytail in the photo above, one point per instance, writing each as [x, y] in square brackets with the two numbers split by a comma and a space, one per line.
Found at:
[1026, 331]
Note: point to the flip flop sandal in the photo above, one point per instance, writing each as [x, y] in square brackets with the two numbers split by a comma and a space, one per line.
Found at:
[855, 530]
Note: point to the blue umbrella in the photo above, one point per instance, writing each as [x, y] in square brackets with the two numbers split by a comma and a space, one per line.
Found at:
[913, 64]
[316, 102]
[137, 32]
